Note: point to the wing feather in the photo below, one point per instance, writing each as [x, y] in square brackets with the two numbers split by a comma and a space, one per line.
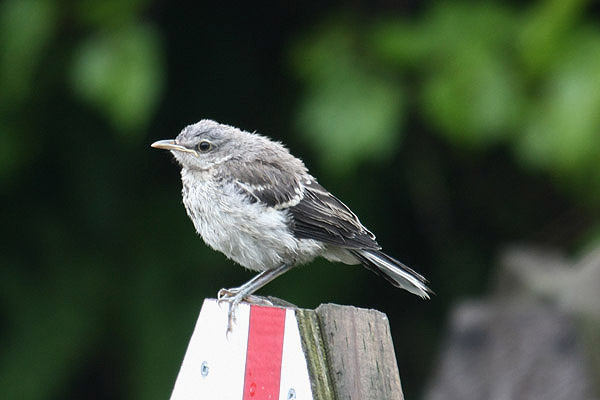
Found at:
[314, 212]
[322, 216]
[266, 182]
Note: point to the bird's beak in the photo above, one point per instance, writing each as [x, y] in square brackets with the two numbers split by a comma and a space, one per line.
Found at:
[170, 144]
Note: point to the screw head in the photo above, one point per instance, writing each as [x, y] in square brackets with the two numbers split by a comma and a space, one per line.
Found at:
[291, 394]
[204, 369]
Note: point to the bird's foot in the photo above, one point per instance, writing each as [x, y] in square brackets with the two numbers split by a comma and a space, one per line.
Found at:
[235, 296]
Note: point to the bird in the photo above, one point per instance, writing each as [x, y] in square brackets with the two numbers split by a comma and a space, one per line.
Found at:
[251, 199]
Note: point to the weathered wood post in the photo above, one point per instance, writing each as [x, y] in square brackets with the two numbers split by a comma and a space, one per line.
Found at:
[333, 352]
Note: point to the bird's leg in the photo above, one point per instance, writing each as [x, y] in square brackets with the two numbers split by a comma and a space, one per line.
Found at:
[235, 295]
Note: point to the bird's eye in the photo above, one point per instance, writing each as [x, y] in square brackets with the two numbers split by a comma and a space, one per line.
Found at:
[204, 146]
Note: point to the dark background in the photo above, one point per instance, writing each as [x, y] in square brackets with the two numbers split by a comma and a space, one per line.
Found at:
[451, 129]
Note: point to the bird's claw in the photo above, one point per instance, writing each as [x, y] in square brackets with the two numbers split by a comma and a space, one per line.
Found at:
[235, 296]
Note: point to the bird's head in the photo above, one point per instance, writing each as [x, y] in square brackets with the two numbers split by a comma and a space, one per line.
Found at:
[204, 144]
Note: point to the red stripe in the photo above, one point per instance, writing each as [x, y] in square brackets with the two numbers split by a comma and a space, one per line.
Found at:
[263, 358]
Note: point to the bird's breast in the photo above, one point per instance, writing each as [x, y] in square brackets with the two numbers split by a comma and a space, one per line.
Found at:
[254, 235]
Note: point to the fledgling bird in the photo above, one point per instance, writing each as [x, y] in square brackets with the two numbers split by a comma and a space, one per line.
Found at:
[250, 199]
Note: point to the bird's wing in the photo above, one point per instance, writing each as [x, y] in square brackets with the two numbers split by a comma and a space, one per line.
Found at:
[322, 216]
[268, 183]
[315, 213]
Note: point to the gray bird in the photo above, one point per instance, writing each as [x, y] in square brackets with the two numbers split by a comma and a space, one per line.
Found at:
[250, 199]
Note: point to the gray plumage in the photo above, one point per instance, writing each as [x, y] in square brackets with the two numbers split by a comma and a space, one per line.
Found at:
[250, 199]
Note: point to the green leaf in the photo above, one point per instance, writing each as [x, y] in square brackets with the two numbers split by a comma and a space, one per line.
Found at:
[471, 93]
[121, 74]
[350, 112]
[562, 133]
[544, 32]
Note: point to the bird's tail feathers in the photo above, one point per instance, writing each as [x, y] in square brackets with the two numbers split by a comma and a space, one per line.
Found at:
[394, 271]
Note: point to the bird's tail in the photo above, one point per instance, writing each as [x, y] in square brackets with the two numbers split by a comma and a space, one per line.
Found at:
[394, 271]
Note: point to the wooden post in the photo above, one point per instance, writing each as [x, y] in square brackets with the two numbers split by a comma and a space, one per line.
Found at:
[360, 353]
[286, 353]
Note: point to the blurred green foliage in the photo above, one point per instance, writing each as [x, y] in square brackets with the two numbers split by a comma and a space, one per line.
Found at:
[481, 75]
[121, 73]
[450, 128]
[350, 112]
[26, 27]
